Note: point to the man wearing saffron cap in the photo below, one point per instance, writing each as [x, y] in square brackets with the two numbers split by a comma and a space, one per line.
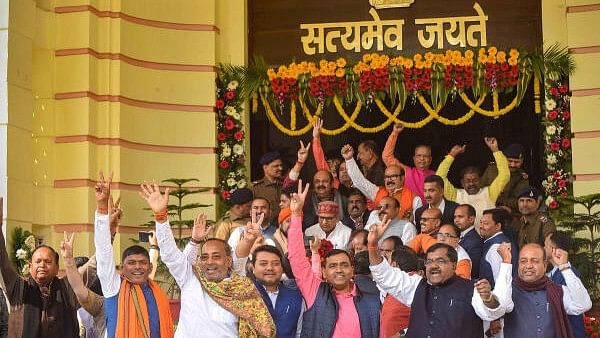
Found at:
[330, 227]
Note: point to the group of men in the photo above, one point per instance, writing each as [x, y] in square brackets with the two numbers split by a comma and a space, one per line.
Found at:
[372, 248]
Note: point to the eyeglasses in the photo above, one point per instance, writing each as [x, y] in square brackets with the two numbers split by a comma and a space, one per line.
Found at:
[445, 235]
[385, 206]
[438, 261]
[326, 219]
[428, 218]
[392, 176]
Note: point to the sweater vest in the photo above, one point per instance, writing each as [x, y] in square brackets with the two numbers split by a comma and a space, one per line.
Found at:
[444, 311]
[485, 268]
[319, 321]
[480, 201]
[286, 311]
[531, 317]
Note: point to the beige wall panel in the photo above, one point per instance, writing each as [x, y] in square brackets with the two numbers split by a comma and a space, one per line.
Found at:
[581, 2]
[42, 84]
[19, 60]
[45, 30]
[19, 201]
[22, 17]
[20, 104]
[585, 159]
[19, 159]
[73, 31]
[179, 11]
[583, 29]
[586, 113]
[586, 74]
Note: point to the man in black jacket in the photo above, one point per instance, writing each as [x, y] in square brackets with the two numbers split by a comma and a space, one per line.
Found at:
[434, 195]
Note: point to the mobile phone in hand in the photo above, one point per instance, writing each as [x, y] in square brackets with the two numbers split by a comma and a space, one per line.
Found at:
[144, 236]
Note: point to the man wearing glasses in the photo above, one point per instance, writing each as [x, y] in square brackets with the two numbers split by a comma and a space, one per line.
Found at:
[442, 304]
[390, 207]
[394, 185]
[330, 227]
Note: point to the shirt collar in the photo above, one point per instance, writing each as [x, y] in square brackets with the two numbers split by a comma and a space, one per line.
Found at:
[466, 231]
[347, 295]
[496, 234]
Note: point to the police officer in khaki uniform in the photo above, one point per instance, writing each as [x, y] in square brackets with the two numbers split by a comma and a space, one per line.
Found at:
[518, 178]
[532, 225]
[238, 214]
[269, 187]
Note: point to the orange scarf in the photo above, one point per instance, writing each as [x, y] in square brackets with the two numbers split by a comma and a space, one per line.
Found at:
[133, 320]
[405, 198]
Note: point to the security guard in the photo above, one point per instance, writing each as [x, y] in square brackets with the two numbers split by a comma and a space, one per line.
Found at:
[518, 178]
[269, 187]
[532, 225]
[238, 214]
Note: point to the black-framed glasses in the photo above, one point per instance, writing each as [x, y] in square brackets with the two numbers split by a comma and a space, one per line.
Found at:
[385, 206]
[445, 235]
[438, 261]
[392, 176]
[326, 219]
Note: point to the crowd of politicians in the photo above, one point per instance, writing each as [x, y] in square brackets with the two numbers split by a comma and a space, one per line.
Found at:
[370, 247]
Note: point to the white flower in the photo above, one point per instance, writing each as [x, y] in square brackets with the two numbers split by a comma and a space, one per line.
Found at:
[232, 85]
[21, 254]
[25, 271]
[549, 200]
[229, 110]
[231, 182]
[550, 104]
[238, 149]
[551, 159]
[226, 152]
[241, 184]
[236, 116]
[551, 129]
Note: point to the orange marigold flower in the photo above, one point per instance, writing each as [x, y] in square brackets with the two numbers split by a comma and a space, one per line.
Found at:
[366, 57]
[340, 72]
[429, 56]
[408, 63]
[512, 62]
[514, 53]
[482, 51]
[341, 62]
[428, 63]
[419, 64]
[492, 50]
[491, 59]
[469, 54]
[271, 74]
[482, 58]
[501, 56]
[417, 57]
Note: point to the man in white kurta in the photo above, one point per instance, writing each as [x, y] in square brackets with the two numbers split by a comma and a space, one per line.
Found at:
[330, 226]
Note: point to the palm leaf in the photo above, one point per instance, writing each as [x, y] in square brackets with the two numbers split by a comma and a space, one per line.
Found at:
[554, 62]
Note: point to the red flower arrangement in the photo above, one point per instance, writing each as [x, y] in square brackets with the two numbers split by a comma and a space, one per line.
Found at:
[323, 86]
[325, 248]
[591, 327]
[458, 77]
[285, 89]
[501, 75]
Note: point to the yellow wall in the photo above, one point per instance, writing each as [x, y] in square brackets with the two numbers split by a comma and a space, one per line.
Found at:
[122, 85]
[575, 24]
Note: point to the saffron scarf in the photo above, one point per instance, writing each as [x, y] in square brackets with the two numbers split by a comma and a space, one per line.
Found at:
[239, 296]
[132, 315]
[554, 293]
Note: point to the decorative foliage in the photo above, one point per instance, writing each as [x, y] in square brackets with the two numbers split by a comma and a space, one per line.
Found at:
[230, 129]
[23, 245]
[557, 147]
[586, 245]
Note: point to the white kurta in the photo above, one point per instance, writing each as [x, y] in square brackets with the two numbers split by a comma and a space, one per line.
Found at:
[339, 237]
[398, 227]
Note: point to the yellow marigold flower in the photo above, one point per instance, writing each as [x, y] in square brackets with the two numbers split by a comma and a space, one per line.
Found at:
[429, 56]
[408, 63]
[482, 58]
[340, 72]
[492, 50]
[393, 62]
[501, 56]
[322, 63]
[341, 62]
[384, 59]
[315, 72]
[448, 53]
[482, 51]
[439, 58]
[428, 63]
[512, 62]
[366, 57]
[375, 57]
[446, 60]
[468, 62]
[271, 74]
[419, 64]
[461, 62]
[491, 59]
[417, 57]
[312, 66]
[514, 53]
[456, 54]
[469, 54]
[281, 69]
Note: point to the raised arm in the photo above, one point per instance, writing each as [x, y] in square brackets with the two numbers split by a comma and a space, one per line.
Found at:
[12, 280]
[251, 233]
[394, 281]
[503, 177]
[317, 149]
[388, 150]
[308, 283]
[576, 299]
[490, 305]
[73, 276]
[444, 167]
[291, 178]
[358, 179]
[109, 279]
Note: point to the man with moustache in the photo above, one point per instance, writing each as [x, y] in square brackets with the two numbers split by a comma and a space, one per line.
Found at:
[237, 215]
[490, 229]
[394, 185]
[329, 226]
[431, 221]
[336, 307]
[215, 302]
[472, 192]
[357, 211]
[540, 307]
[442, 304]
[371, 165]
[322, 191]
[414, 176]
[269, 187]
[464, 219]
[389, 209]
[49, 303]
[518, 181]
[434, 195]
[259, 207]
[531, 224]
